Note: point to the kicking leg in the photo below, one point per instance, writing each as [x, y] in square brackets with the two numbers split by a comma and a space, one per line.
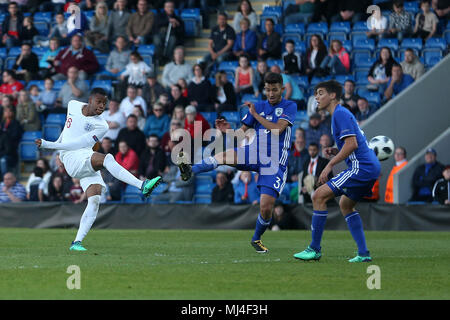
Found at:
[228, 157]
[90, 213]
[319, 198]
[100, 161]
[267, 201]
[355, 226]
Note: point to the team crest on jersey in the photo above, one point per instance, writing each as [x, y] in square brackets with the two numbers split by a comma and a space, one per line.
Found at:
[88, 127]
[278, 111]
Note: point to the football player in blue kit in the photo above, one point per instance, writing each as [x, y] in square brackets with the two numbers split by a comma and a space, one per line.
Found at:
[266, 153]
[351, 184]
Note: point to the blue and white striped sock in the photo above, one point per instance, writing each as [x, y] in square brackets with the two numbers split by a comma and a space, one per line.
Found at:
[317, 226]
[261, 226]
[355, 226]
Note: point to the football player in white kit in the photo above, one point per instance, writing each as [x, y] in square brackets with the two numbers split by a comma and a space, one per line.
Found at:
[83, 129]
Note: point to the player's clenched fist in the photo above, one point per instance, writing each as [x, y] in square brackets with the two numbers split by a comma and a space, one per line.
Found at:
[38, 142]
[251, 108]
[329, 152]
[222, 125]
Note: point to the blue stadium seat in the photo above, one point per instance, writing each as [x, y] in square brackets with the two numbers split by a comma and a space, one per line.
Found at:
[301, 115]
[411, 7]
[192, 21]
[210, 117]
[316, 80]
[300, 47]
[278, 28]
[435, 44]
[56, 118]
[302, 81]
[43, 16]
[51, 131]
[273, 62]
[42, 27]
[367, 45]
[57, 85]
[340, 28]
[39, 51]
[231, 116]
[228, 66]
[28, 151]
[147, 49]
[337, 36]
[14, 51]
[317, 28]
[3, 53]
[250, 98]
[31, 135]
[9, 63]
[2, 16]
[104, 84]
[203, 188]
[363, 62]
[343, 77]
[431, 58]
[447, 36]
[347, 44]
[361, 78]
[202, 198]
[373, 97]
[359, 27]
[132, 194]
[413, 43]
[294, 29]
[391, 43]
[273, 12]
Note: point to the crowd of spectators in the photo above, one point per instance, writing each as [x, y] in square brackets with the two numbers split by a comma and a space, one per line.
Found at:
[143, 112]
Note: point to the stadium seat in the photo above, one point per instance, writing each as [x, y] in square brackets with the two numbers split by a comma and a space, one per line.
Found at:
[273, 62]
[387, 42]
[57, 85]
[202, 198]
[359, 27]
[192, 21]
[278, 28]
[301, 115]
[337, 36]
[2, 16]
[39, 51]
[210, 117]
[435, 44]
[431, 58]
[3, 53]
[42, 27]
[132, 194]
[347, 44]
[272, 12]
[316, 80]
[360, 45]
[413, 43]
[250, 98]
[228, 66]
[300, 47]
[411, 7]
[343, 77]
[361, 78]
[302, 81]
[104, 84]
[363, 62]
[31, 135]
[203, 188]
[43, 16]
[28, 151]
[9, 63]
[295, 29]
[340, 28]
[231, 116]
[373, 97]
[317, 28]
[56, 118]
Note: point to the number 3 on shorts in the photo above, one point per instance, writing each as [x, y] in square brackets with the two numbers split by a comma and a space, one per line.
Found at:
[276, 185]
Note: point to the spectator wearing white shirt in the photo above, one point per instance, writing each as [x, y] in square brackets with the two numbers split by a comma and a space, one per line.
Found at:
[177, 69]
[131, 100]
[116, 120]
[136, 71]
[44, 180]
[377, 25]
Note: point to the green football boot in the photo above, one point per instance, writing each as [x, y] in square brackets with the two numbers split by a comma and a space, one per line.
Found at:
[359, 258]
[308, 254]
[77, 246]
[149, 185]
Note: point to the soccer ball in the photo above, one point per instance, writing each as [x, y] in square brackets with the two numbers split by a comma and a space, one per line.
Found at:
[382, 146]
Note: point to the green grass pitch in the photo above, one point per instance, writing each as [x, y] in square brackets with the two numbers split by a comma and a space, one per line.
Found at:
[218, 264]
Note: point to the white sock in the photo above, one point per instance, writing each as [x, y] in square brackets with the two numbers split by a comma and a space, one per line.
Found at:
[120, 172]
[88, 218]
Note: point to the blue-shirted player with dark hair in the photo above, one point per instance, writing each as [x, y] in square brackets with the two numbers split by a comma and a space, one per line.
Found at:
[351, 184]
[271, 120]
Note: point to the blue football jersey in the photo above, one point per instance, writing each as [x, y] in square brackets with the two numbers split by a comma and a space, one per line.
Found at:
[284, 110]
[344, 124]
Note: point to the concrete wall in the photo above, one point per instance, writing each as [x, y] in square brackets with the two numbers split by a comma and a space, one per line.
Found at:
[414, 118]
[402, 180]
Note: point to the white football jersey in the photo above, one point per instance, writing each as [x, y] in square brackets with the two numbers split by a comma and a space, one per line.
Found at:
[78, 125]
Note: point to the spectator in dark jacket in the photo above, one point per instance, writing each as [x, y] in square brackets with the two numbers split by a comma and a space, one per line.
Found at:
[152, 89]
[351, 10]
[29, 63]
[11, 132]
[161, 28]
[269, 44]
[441, 189]
[298, 156]
[56, 190]
[76, 55]
[223, 192]
[29, 31]
[316, 52]
[225, 96]
[200, 91]
[131, 134]
[425, 177]
[349, 97]
[140, 24]
[12, 26]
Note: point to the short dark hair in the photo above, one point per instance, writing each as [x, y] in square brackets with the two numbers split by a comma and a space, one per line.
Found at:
[403, 150]
[153, 135]
[271, 20]
[273, 78]
[223, 14]
[132, 116]
[331, 86]
[350, 80]
[38, 172]
[362, 98]
[99, 91]
[424, 1]
[397, 65]
[398, 3]
[291, 42]
[314, 144]
[49, 78]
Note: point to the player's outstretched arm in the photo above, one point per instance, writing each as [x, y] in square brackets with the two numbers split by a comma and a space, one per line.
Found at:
[280, 125]
[84, 141]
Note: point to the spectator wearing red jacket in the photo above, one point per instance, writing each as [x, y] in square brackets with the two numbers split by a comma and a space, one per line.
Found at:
[338, 59]
[75, 55]
[127, 158]
[10, 85]
[192, 116]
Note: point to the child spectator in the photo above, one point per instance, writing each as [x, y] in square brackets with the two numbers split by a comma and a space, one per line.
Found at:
[136, 71]
[47, 98]
[76, 192]
[291, 59]
[34, 93]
